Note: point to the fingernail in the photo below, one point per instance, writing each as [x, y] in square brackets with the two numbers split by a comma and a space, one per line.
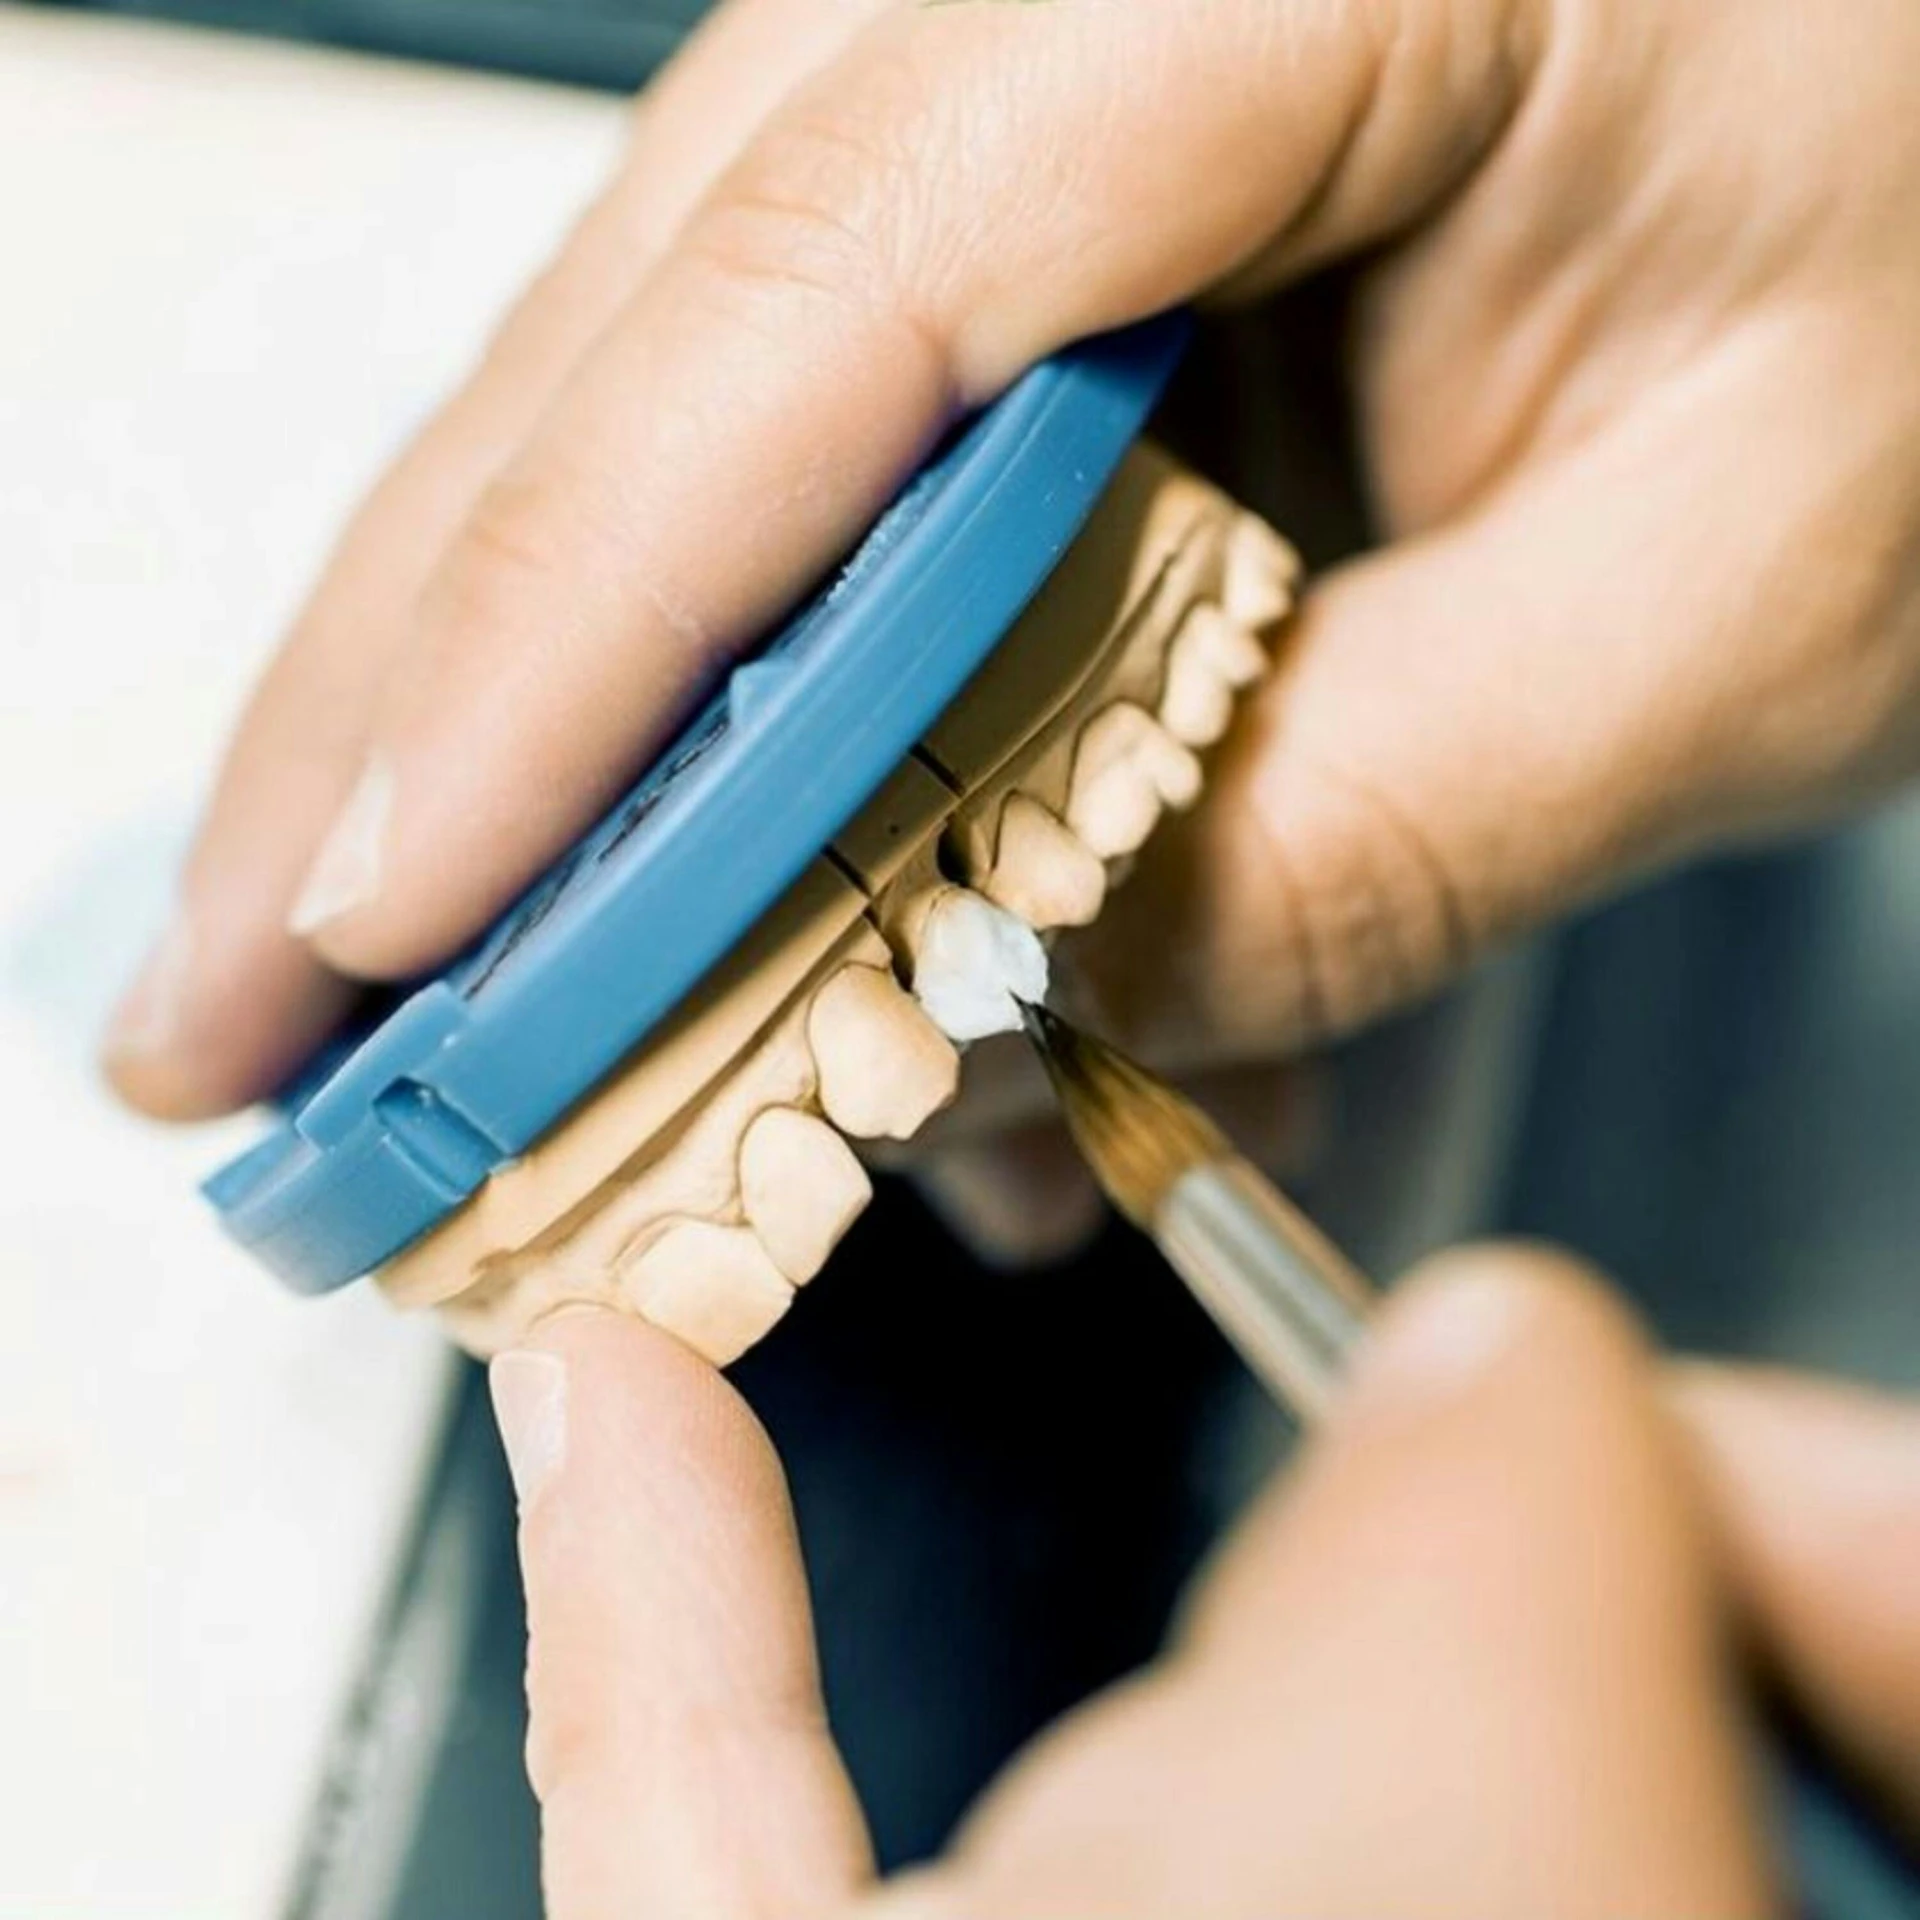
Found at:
[530, 1406]
[1441, 1338]
[346, 872]
[147, 1020]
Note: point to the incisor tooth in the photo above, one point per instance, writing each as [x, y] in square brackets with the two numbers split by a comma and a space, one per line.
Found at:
[1261, 571]
[802, 1188]
[975, 965]
[1042, 871]
[1125, 769]
[884, 1066]
[714, 1287]
[1197, 702]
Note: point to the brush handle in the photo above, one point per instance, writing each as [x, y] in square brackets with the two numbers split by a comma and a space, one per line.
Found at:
[1280, 1290]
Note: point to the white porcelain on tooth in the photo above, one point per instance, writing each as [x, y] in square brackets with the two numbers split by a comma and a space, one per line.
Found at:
[802, 1187]
[884, 1067]
[1196, 703]
[714, 1287]
[1126, 768]
[1042, 870]
[1261, 572]
[974, 965]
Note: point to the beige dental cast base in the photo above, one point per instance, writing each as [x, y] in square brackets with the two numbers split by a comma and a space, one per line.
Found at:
[710, 1175]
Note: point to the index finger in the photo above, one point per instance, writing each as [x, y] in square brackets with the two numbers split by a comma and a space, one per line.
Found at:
[961, 191]
[231, 1002]
[678, 1742]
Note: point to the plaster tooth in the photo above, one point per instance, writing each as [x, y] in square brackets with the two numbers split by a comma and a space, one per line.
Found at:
[802, 1188]
[1261, 573]
[487, 1321]
[1175, 769]
[1043, 871]
[1196, 704]
[1125, 770]
[884, 1067]
[705, 1180]
[1235, 654]
[714, 1287]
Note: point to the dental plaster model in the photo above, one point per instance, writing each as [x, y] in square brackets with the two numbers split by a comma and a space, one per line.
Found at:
[710, 1175]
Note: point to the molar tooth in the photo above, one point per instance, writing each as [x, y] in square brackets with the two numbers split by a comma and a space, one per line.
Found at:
[495, 1320]
[1042, 870]
[1125, 769]
[884, 1066]
[1234, 654]
[1197, 701]
[802, 1188]
[714, 1287]
[1261, 573]
[1175, 770]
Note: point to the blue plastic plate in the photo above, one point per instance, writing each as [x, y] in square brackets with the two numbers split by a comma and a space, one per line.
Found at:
[389, 1133]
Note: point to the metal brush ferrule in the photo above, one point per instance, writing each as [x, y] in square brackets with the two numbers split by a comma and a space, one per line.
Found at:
[1286, 1297]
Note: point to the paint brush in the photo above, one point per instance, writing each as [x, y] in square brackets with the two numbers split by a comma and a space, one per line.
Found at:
[1276, 1286]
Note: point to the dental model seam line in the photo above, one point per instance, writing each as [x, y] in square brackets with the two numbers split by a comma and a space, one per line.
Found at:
[703, 1209]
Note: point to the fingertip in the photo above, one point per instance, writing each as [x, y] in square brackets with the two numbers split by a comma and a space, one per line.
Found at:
[656, 1410]
[651, 1503]
[208, 1027]
[639, 1368]
[677, 1740]
[159, 1085]
[1467, 1313]
[354, 909]
[529, 1393]
[599, 1392]
[435, 841]
[1494, 1378]
[1812, 1488]
[1817, 1484]
[345, 873]
[142, 1050]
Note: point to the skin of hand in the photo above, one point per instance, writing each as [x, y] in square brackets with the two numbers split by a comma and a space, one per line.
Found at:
[1634, 377]
[1475, 1654]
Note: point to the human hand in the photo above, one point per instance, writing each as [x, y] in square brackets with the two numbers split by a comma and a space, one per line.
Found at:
[1637, 389]
[1472, 1655]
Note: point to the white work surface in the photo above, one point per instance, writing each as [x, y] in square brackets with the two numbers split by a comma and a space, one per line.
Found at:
[234, 274]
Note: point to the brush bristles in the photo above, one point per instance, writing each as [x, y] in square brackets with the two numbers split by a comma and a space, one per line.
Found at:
[1138, 1136]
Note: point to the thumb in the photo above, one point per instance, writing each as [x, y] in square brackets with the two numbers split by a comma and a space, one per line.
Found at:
[1478, 1622]
[678, 1741]
[1620, 658]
